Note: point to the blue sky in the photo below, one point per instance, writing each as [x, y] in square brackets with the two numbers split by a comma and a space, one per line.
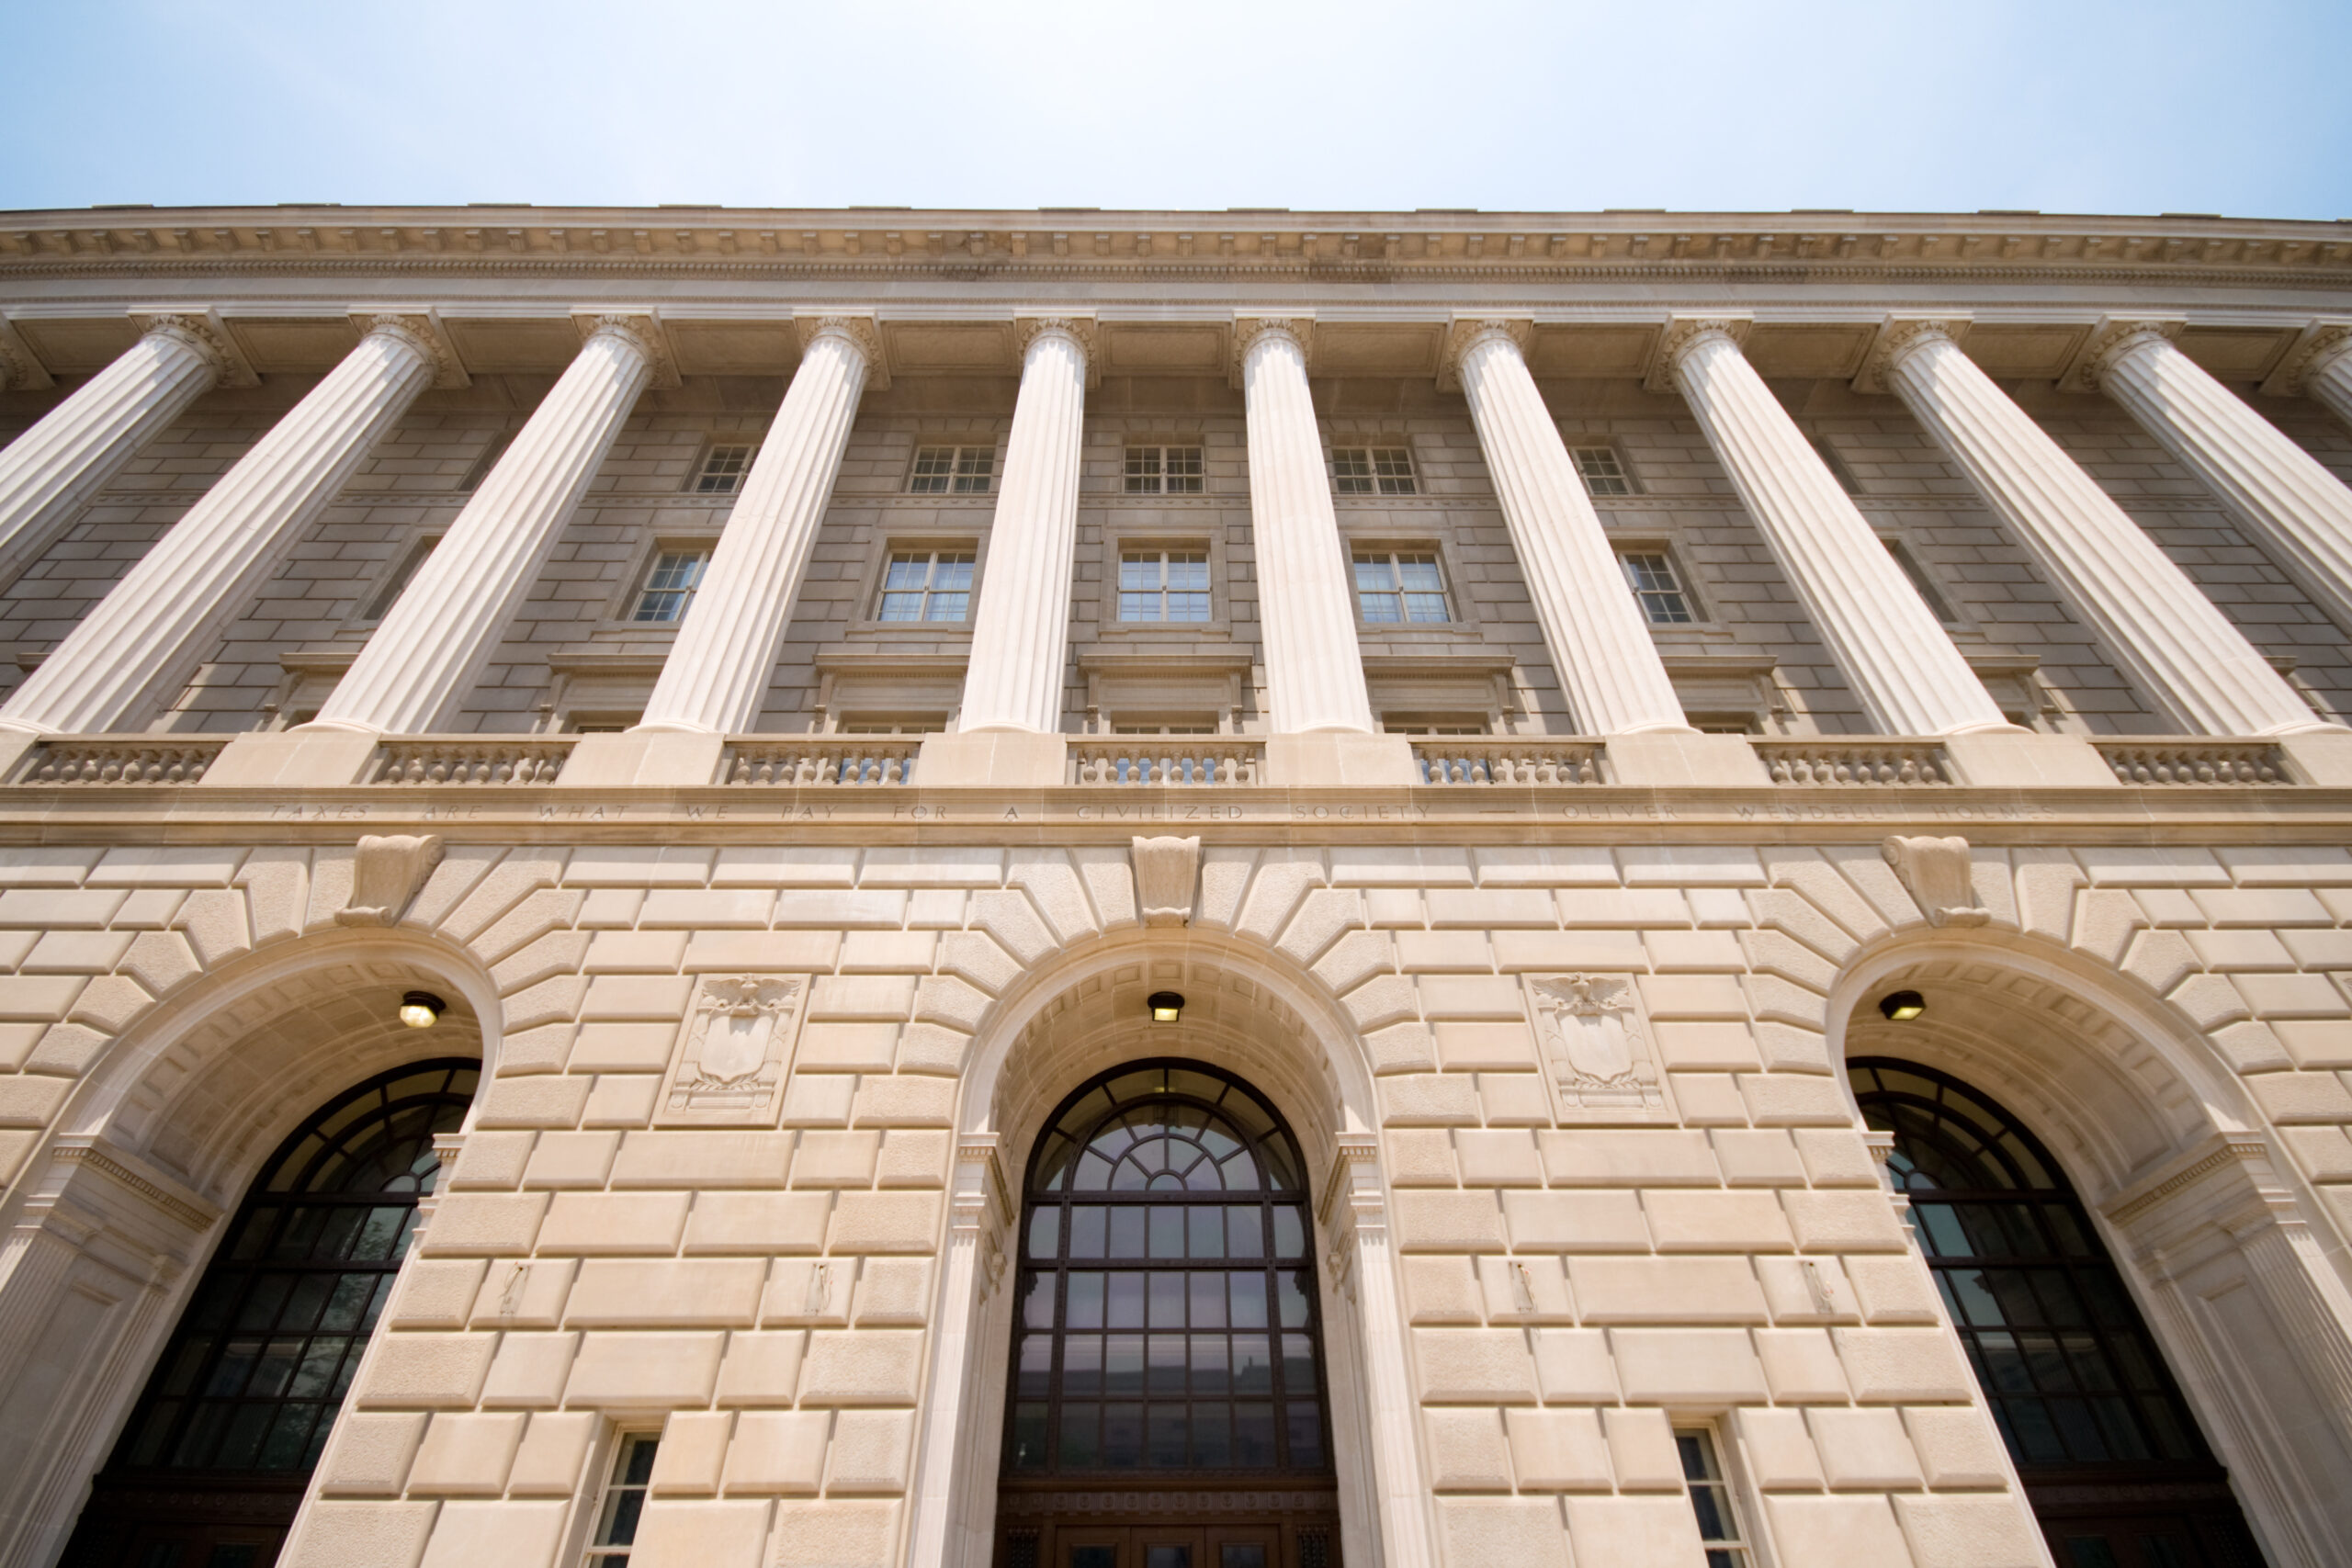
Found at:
[2060, 105]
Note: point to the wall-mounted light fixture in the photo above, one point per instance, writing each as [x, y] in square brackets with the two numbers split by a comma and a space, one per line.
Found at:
[1167, 1007]
[422, 1009]
[1902, 1007]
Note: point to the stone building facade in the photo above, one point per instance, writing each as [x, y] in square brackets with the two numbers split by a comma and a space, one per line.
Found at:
[1174, 890]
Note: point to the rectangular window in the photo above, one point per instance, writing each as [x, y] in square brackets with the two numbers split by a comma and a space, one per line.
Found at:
[389, 592]
[952, 470]
[723, 468]
[493, 451]
[1920, 581]
[1398, 588]
[1430, 724]
[623, 1503]
[1836, 464]
[1373, 470]
[1164, 585]
[1602, 470]
[1179, 726]
[1702, 1473]
[1651, 575]
[670, 585]
[1164, 470]
[927, 585]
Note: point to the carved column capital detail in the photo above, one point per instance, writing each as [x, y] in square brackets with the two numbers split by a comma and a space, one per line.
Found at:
[857, 328]
[1683, 333]
[2322, 344]
[1467, 333]
[421, 328]
[1247, 330]
[202, 332]
[21, 368]
[1898, 335]
[2110, 341]
[643, 331]
[1078, 328]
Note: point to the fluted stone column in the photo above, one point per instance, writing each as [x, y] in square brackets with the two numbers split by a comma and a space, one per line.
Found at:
[1020, 627]
[718, 668]
[1909, 676]
[441, 630]
[48, 473]
[1305, 604]
[2183, 654]
[1601, 649]
[2299, 510]
[136, 649]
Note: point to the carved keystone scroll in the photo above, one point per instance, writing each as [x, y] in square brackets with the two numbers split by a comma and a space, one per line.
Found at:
[1166, 871]
[389, 870]
[1937, 875]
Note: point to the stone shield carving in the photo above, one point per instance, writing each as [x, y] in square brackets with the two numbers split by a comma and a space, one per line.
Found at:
[1597, 1047]
[728, 1068]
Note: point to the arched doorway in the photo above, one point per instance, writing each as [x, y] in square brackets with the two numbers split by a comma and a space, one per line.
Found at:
[2111, 1456]
[1167, 1403]
[214, 1462]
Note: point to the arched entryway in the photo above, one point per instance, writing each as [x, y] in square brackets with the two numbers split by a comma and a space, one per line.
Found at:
[212, 1464]
[2113, 1462]
[1167, 1403]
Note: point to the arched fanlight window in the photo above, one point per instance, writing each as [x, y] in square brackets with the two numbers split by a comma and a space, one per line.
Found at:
[2108, 1450]
[240, 1404]
[1166, 1315]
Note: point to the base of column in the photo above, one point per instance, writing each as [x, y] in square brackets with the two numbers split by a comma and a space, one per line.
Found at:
[2321, 756]
[292, 758]
[1669, 759]
[2023, 760]
[993, 759]
[1340, 760]
[648, 760]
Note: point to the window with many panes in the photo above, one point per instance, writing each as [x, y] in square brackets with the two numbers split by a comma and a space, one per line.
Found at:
[1164, 470]
[1603, 472]
[1400, 587]
[1373, 470]
[623, 1504]
[670, 584]
[1658, 588]
[927, 585]
[1164, 585]
[724, 467]
[1921, 583]
[952, 470]
[1711, 1499]
[1165, 1317]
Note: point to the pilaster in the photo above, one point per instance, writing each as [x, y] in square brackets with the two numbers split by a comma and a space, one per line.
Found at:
[1361, 1262]
[980, 1211]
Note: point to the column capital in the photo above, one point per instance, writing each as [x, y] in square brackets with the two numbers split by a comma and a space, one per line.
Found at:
[2109, 341]
[1298, 326]
[1682, 333]
[2323, 341]
[1079, 327]
[859, 329]
[1465, 333]
[21, 368]
[421, 326]
[203, 331]
[643, 329]
[1898, 335]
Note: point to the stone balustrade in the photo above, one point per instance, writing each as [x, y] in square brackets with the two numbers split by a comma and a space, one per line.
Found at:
[470, 760]
[1829, 759]
[1534, 760]
[2194, 759]
[826, 761]
[1215, 760]
[119, 759]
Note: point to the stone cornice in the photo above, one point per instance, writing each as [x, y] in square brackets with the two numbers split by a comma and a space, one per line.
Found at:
[201, 331]
[1664, 370]
[422, 326]
[2113, 336]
